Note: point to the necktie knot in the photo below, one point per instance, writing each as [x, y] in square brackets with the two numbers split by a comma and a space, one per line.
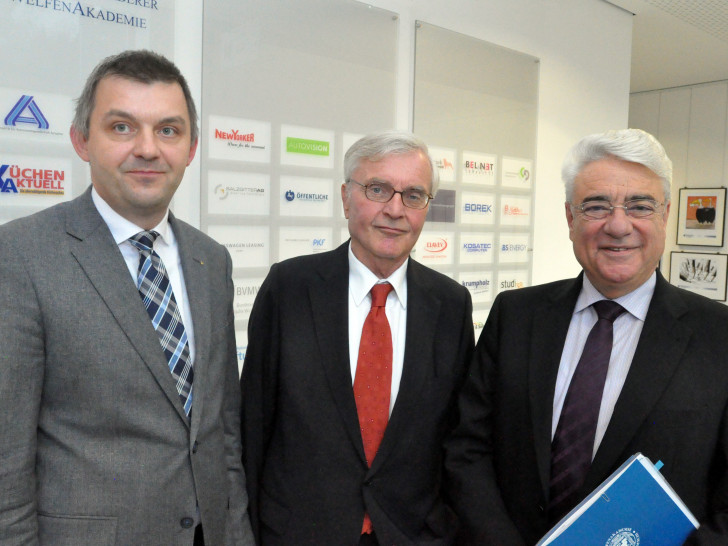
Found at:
[379, 294]
[144, 240]
[608, 309]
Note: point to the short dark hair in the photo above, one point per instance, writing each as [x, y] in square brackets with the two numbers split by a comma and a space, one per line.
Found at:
[138, 65]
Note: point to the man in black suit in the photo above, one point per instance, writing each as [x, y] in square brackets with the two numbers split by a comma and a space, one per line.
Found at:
[666, 387]
[312, 479]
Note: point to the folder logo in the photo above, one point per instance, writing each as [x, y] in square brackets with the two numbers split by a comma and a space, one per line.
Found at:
[306, 146]
[624, 537]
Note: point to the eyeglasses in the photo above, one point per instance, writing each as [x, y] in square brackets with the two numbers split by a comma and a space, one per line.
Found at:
[636, 208]
[381, 192]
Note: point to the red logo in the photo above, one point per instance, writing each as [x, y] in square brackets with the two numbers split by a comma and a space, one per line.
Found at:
[438, 245]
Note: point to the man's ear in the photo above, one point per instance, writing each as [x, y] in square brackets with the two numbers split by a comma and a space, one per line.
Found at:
[345, 199]
[80, 143]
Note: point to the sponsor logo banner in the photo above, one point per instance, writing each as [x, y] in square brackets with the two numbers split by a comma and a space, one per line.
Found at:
[249, 246]
[445, 162]
[476, 248]
[27, 114]
[34, 181]
[479, 319]
[479, 284]
[298, 241]
[477, 208]
[304, 196]
[517, 173]
[241, 341]
[307, 147]
[442, 208]
[435, 248]
[238, 193]
[513, 248]
[508, 280]
[245, 291]
[239, 139]
[515, 210]
[479, 168]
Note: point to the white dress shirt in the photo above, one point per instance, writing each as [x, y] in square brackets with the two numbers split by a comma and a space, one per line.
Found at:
[627, 330]
[165, 245]
[361, 281]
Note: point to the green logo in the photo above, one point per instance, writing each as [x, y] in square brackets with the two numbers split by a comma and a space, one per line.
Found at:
[305, 146]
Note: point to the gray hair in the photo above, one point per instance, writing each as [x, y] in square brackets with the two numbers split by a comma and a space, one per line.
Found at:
[142, 66]
[633, 145]
[377, 146]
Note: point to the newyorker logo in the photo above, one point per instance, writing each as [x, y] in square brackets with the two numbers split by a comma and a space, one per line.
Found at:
[235, 139]
[16, 179]
[27, 112]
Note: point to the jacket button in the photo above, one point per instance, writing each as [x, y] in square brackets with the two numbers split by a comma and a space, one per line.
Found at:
[186, 523]
[194, 447]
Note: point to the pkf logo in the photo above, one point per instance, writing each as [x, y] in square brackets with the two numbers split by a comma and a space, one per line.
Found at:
[26, 111]
[438, 245]
[319, 243]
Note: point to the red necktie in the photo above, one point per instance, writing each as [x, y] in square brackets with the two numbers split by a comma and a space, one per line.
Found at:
[373, 380]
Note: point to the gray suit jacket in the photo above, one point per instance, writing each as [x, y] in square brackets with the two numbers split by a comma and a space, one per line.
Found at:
[95, 447]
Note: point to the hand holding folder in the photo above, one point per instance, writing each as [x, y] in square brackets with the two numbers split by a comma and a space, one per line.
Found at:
[635, 505]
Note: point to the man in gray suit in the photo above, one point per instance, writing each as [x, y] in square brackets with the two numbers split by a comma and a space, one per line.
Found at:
[119, 401]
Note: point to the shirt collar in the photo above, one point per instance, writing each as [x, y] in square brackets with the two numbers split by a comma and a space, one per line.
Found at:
[636, 302]
[361, 280]
[121, 228]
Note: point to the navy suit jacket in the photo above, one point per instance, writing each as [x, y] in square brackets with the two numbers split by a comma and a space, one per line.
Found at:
[307, 477]
[673, 407]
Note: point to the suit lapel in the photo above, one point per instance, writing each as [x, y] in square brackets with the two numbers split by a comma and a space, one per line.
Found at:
[328, 294]
[194, 268]
[423, 308]
[550, 325]
[660, 348]
[98, 255]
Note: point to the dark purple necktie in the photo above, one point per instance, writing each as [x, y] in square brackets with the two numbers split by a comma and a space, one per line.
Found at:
[573, 443]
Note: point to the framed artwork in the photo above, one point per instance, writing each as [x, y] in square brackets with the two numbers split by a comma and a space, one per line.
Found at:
[700, 272]
[701, 216]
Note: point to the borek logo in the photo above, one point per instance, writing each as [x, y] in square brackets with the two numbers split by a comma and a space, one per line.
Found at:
[438, 245]
[26, 111]
[478, 208]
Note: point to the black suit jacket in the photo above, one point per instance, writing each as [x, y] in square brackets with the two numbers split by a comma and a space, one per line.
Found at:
[308, 480]
[673, 407]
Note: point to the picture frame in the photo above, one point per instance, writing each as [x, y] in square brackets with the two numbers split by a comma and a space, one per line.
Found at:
[701, 216]
[700, 272]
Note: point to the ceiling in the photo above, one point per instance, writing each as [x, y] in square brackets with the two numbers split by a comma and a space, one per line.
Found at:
[677, 42]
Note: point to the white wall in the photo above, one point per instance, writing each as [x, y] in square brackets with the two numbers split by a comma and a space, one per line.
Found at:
[692, 124]
[584, 47]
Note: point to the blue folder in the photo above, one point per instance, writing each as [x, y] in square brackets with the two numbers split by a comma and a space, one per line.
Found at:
[635, 505]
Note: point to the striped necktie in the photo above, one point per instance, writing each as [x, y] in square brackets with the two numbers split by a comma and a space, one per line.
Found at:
[156, 293]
